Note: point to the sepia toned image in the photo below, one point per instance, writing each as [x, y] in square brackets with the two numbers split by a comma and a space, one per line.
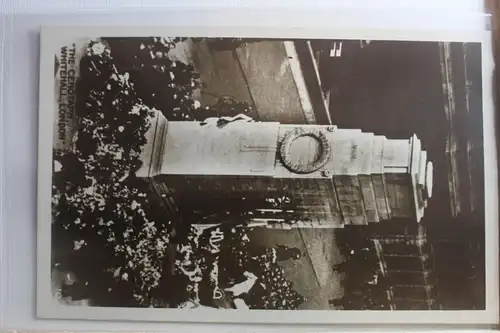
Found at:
[266, 174]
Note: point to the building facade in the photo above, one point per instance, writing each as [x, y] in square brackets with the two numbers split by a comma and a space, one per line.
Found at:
[406, 266]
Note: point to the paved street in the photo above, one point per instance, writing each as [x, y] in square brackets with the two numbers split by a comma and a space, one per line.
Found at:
[257, 73]
[312, 275]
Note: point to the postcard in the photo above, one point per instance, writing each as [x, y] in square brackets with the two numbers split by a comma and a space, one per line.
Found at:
[338, 179]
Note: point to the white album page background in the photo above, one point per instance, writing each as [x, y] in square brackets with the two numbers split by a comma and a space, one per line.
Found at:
[428, 5]
[20, 133]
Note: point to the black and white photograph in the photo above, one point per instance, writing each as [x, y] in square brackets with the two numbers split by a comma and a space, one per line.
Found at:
[231, 173]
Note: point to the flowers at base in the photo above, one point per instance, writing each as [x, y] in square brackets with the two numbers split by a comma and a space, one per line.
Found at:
[78, 244]
[97, 49]
[95, 194]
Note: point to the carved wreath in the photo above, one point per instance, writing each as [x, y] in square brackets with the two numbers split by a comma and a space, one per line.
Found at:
[290, 137]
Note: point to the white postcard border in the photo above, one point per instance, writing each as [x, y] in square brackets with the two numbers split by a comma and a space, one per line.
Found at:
[53, 37]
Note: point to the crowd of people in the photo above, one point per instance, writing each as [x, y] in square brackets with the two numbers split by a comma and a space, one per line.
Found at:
[234, 272]
[365, 287]
[109, 233]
